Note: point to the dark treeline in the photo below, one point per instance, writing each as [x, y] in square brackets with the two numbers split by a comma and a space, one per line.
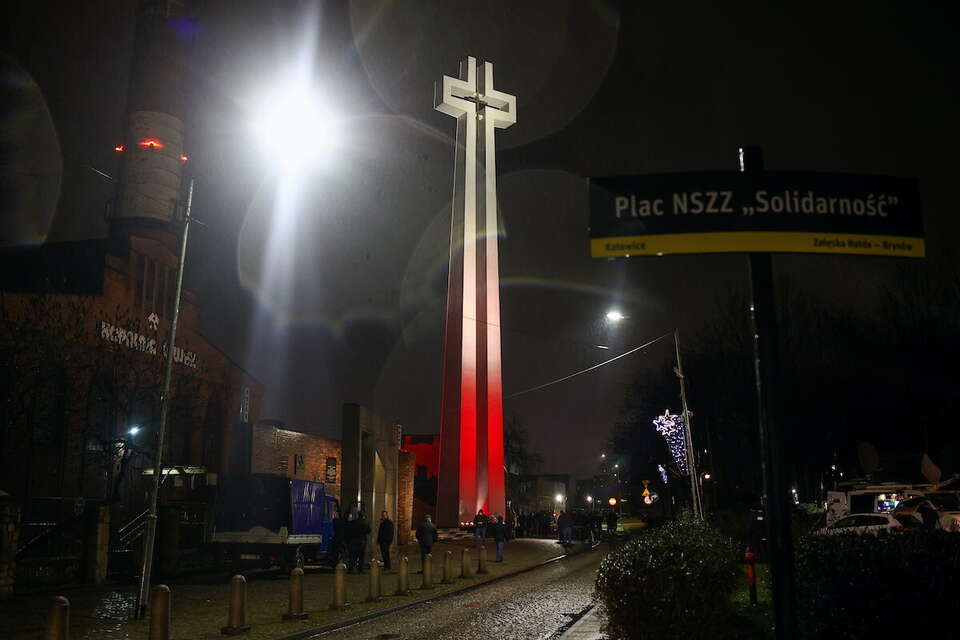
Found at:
[886, 374]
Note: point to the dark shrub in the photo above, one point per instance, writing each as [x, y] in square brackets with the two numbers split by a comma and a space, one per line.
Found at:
[671, 582]
[895, 585]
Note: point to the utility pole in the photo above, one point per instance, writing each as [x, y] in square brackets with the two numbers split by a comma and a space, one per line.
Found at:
[150, 534]
[691, 452]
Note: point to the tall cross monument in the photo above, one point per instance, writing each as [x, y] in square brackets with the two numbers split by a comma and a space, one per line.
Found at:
[471, 473]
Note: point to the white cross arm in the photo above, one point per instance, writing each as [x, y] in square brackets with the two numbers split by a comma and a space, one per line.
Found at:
[504, 112]
[448, 96]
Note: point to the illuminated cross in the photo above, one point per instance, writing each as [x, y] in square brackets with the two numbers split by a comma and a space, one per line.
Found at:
[471, 428]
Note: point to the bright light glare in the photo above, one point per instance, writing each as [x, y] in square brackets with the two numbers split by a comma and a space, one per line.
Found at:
[559, 497]
[589, 498]
[615, 316]
[134, 430]
[294, 129]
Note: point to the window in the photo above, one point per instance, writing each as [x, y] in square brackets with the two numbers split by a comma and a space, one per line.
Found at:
[846, 522]
[161, 289]
[298, 464]
[284, 465]
[872, 521]
[138, 270]
[171, 289]
[149, 285]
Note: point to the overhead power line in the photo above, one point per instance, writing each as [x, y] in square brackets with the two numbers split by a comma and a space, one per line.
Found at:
[588, 369]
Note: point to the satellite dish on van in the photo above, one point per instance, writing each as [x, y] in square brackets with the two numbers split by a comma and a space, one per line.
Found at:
[930, 470]
[869, 458]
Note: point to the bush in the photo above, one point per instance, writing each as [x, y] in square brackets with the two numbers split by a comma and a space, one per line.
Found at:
[674, 581]
[851, 586]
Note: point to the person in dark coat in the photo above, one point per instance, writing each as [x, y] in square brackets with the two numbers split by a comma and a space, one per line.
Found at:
[564, 529]
[426, 536]
[358, 530]
[480, 527]
[338, 541]
[385, 538]
[499, 534]
[611, 522]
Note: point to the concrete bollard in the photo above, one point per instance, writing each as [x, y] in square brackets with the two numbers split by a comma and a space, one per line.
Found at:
[339, 587]
[403, 584]
[373, 593]
[482, 560]
[160, 613]
[447, 567]
[237, 618]
[295, 608]
[427, 572]
[466, 567]
[58, 624]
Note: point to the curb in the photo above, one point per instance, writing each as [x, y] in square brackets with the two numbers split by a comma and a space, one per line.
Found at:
[350, 622]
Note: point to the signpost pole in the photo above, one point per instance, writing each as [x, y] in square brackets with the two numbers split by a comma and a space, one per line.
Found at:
[763, 316]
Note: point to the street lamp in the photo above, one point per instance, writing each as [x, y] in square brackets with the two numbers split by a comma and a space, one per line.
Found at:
[293, 129]
[134, 430]
[615, 316]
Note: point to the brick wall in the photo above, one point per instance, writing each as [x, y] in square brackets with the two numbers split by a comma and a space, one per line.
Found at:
[406, 465]
[295, 455]
[9, 533]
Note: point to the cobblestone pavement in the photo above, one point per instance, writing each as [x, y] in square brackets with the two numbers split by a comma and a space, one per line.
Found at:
[537, 605]
[200, 606]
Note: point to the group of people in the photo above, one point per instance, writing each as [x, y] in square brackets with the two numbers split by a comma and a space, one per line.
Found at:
[547, 524]
[349, 540]
[350, 533]
[494, 527]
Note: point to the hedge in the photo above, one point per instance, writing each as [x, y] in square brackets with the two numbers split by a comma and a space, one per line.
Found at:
[897, 585]
[674, 581]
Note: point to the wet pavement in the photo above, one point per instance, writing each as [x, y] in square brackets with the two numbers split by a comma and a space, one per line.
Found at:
[200, 604]
[537, 605]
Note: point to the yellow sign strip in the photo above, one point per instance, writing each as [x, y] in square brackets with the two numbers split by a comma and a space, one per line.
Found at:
[749, 241]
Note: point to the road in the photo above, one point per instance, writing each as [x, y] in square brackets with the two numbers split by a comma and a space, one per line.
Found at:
[539, 604]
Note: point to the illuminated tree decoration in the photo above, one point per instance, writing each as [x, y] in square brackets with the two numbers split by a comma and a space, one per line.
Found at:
[671, 427]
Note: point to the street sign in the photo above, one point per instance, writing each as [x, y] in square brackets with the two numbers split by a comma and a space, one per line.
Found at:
[772, 211]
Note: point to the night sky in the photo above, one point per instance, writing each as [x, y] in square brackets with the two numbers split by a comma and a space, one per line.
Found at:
[340, 297]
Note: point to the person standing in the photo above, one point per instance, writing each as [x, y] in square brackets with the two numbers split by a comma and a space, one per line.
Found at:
[611, 522]
[499, 537]
[564, 530]
[426, 535]
[480, 527]
[335, 550]
[359, 530]
[385, 538]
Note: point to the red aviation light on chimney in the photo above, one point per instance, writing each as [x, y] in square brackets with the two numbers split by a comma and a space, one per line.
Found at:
[119, 148]
[184, 158]
[150, 143]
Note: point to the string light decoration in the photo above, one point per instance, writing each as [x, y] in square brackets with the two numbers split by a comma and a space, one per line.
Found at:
[672, 429]
[663, 473]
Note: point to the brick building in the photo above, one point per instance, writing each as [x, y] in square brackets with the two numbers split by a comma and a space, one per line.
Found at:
[282, 451]
[83, 338]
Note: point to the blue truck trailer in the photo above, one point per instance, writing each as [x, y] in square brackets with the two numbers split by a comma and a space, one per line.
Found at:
[262, 520]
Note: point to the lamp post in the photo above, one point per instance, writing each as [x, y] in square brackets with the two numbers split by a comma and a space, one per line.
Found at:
[150, 533]
[293, 128]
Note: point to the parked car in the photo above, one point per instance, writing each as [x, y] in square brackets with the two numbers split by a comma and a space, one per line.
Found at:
[871, 524]
[947, 506]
